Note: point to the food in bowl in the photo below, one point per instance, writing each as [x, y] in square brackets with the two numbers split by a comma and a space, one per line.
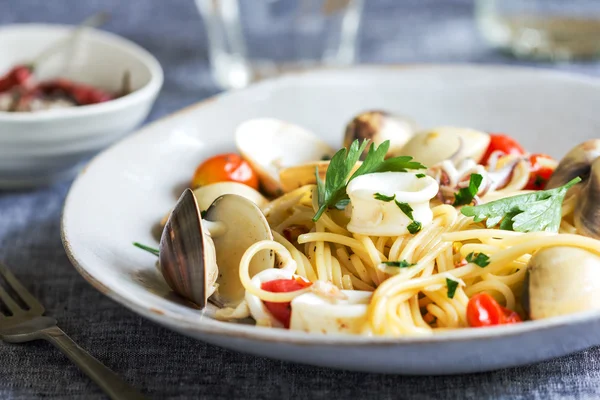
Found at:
[402, 232]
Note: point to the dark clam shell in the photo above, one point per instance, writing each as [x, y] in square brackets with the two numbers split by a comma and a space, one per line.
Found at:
[182, 251]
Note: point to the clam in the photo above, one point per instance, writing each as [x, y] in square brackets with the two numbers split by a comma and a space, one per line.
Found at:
[587, 210]
[270, 145]
[436, 145]
[379, 126]
[292, 178]
[561, 280]
[576, 162]
[205, 195]
[200, 258]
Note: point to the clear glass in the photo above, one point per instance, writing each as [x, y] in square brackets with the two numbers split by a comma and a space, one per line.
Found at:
[253, 39]
[542, 29]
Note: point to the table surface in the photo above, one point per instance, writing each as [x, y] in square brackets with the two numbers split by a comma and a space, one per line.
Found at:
[165, 364]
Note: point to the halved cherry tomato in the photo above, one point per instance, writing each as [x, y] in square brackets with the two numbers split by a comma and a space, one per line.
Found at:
[540, 172]
[483, 310]
[502, 143]
[283, 311]
[225, 167]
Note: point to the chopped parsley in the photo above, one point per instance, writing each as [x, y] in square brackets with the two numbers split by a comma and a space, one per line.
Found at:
[414, 227]
[479, 259]
[399, 264]
[406, 209]
[149, 249]
[466, 195]
[383, 197]
[421, 176]
[451, 285]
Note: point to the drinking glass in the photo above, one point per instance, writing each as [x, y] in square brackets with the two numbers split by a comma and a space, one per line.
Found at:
[543, 29]
[253, 39]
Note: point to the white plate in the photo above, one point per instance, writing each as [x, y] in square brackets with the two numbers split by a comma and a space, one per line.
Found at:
[124, 191]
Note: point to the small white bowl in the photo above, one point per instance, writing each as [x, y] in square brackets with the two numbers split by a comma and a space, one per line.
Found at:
[46, 146]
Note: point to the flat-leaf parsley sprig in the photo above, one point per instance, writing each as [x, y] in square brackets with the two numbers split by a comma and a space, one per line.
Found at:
[332, 191]
[530, 212]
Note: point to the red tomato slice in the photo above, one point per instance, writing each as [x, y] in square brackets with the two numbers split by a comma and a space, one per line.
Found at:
[483, 310]
[283, 311]
[502, 143]
[222, 168]
[540, 173]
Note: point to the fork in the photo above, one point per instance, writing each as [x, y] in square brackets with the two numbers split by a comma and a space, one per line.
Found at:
[25, 322]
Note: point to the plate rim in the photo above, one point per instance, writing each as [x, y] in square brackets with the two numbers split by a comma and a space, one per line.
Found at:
[209, 326]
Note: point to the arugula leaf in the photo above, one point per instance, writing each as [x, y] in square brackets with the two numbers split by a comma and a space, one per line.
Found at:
[406, 209]
[383, 197]
[414, 227]
[479, 259]
[530, 212]
[149, 249]
[421, 176]
[452, 285]
[399, 264]
[465, 196]
[332, 191]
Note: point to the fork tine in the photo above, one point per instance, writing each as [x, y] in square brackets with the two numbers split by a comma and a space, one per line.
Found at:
[8, 301]
[34, 305]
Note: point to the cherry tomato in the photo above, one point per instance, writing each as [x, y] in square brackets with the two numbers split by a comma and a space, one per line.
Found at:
[283, 311]
[225, 167]
[503, 143]
[483, 310]
[540, 172]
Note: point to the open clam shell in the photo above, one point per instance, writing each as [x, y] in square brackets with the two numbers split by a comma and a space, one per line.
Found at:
[270, 145]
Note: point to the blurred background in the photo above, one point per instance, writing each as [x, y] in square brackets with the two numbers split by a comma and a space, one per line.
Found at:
[247, 40]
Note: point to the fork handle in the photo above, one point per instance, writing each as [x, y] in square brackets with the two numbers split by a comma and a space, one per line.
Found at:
[111, 383]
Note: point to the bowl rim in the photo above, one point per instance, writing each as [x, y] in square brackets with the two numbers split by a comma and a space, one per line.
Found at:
[112, 39]
[206, 326]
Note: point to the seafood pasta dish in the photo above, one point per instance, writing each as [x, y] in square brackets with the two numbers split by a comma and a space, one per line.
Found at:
[402, 231]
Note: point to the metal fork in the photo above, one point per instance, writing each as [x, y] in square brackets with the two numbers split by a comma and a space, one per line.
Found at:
[23, 324]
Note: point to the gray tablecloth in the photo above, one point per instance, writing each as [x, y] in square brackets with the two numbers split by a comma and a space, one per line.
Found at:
[167, 365]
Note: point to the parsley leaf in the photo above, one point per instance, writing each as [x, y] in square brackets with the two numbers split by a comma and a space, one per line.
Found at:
[421, 176]
[465, 196]
[332, 191]
[149, 249]
[399, 264]
[530, 212]
[452, 285]
[406, 209]
[414, 227]
[479, 259]
[383, 197]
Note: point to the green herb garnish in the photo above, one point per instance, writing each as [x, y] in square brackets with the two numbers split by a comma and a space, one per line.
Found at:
[149, 249]
[383, 197]
[452, 285]
[479, 259]
[406, 209]
[421, 176]
[466, 195]
[414, 227]
[203, 213]
[332, 192]
[531, 212]
[399, 264]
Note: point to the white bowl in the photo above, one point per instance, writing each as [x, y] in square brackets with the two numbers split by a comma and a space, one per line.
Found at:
[45, 146]
[127, 189]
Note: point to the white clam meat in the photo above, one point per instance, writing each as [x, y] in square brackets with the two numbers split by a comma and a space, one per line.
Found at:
[370, 216]
[270, 145]
[436, 145]
[312, 312]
